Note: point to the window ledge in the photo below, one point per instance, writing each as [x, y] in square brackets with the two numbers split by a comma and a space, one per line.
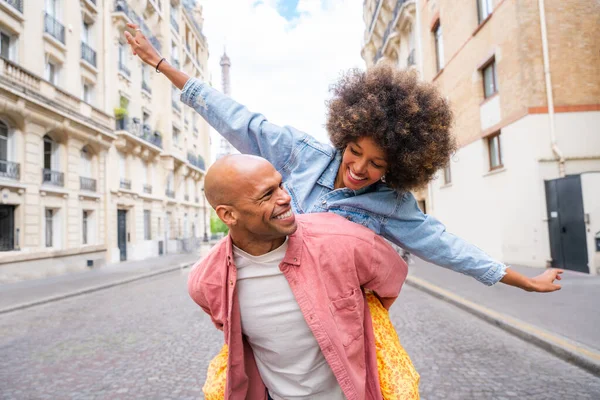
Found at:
[56, 190]
[55, 42]
[482, 23]
[495, 171]
[88, 66]
[490, 98]
[12, 11]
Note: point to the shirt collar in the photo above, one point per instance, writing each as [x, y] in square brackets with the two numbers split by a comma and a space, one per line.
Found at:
[328, 176]
[293, 255]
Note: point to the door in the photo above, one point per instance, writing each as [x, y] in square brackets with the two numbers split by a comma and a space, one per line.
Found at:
[122, 233]
[566, 223]
[7, 228]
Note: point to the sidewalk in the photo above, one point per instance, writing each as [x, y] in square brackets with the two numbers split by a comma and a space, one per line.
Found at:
[566, 322]
[14, 296]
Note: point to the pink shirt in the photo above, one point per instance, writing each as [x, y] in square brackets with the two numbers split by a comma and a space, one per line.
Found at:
[327, 263]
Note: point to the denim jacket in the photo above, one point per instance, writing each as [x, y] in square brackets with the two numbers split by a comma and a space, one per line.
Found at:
[309, 168]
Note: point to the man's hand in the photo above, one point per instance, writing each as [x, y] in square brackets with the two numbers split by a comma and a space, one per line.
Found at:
[544, 282]
[141, 46]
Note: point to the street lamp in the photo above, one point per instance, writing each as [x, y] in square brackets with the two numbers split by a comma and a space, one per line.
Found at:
[205, 239]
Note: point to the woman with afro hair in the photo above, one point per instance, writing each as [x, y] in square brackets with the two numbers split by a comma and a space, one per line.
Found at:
[390, 134]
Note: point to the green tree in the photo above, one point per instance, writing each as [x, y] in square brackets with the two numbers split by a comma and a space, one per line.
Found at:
[216, 225]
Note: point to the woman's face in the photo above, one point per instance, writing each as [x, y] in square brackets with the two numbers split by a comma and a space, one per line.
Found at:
[363, 164]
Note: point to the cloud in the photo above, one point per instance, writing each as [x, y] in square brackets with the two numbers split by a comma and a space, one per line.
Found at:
[283, 67]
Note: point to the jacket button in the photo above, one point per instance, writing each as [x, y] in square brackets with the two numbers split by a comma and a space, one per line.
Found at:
[324, 202]
[231, 282]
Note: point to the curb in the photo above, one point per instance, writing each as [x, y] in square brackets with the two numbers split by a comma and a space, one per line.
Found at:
[93, 288]
[568, 350]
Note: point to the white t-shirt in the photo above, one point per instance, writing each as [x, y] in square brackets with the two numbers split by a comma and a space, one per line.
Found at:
[287, 354]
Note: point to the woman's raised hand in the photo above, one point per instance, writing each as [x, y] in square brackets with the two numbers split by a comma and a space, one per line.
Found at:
[141, 46]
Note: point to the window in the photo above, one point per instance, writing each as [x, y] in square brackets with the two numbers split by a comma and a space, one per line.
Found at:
[87, 93]
[439, 47]
[447, 175]
[49, 227]
[489, 79]
[85, 33]
[495, 151]
[123, 57]
[84, 227]
[176, 136]
[3, 143]
[145, 75]
[50, 153]
[7, 46]
[147, 226]
[52, 71]
[484, 7]
[86, 163]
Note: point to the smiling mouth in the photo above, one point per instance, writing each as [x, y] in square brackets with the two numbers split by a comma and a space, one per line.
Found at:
[355, 177]
[285, 215]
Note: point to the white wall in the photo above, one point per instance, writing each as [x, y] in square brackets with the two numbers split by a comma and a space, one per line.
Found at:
[590, 186]
[504, 212]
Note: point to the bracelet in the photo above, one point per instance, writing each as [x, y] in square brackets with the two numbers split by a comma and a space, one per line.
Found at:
[158, 65]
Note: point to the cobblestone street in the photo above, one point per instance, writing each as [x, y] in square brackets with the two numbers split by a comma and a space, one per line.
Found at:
[147, 340]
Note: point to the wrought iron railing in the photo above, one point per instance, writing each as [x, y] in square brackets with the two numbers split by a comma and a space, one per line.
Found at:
[125, 184]
[10, 170]
[170, 193]
[148, 189]
[196, 160]
[54, 28]
[390, 27]
[53, 177]
[88, 54]
[135, 127]
[16, 4]
[87, 184]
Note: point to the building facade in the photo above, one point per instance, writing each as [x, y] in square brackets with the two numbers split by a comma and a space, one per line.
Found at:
[523, 80]
[99, 161]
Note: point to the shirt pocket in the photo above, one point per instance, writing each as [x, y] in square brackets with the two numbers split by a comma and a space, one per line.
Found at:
[348, 316]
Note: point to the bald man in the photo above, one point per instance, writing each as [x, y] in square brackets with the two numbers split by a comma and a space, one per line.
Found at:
[288, 291]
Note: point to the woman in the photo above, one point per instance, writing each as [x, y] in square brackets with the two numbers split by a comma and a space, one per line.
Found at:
[390, 134]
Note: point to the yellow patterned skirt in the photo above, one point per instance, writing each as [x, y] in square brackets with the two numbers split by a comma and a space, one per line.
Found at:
[398, 377]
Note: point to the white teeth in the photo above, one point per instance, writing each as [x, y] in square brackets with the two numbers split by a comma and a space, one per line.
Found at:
[354, 176]
[284, 215]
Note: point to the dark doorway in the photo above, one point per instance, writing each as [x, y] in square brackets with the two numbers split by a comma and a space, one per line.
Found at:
[7, 228]
[566, 224]
[122, 233]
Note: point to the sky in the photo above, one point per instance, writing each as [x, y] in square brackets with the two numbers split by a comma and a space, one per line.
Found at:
[284, 54]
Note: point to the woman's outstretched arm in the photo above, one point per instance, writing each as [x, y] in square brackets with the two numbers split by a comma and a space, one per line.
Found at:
[248, 132]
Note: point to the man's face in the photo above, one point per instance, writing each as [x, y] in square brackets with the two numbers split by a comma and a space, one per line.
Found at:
[263, 209]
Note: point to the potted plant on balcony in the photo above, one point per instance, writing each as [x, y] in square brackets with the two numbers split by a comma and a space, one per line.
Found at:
[121, 113]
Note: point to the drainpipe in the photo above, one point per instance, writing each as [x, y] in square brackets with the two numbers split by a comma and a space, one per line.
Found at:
[550, 98]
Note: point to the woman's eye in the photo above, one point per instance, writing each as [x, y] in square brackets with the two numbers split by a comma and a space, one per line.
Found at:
[376, 165]
[356, 153]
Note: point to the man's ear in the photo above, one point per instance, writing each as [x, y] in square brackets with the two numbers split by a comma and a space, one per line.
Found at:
[227, 214]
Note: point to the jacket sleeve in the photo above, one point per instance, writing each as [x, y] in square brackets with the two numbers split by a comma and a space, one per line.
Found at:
[248, 132]
[197, 292]
[382, 270]
[426, 237]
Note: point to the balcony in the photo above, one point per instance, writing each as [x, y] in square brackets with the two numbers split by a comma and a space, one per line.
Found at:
[147, 189]
[410, 60]
[174, 23]
[54, 28]
[88, 184]
[10, 170]
[123, 68]
[196, 161]
[125, 184]
[53, 177]
[170, 193]
[135, 127]
[146, 87]
[195, 131]
[88, 54]
[16, 4]
[122, 6]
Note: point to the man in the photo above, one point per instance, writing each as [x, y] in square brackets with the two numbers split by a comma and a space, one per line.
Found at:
[287, 290]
